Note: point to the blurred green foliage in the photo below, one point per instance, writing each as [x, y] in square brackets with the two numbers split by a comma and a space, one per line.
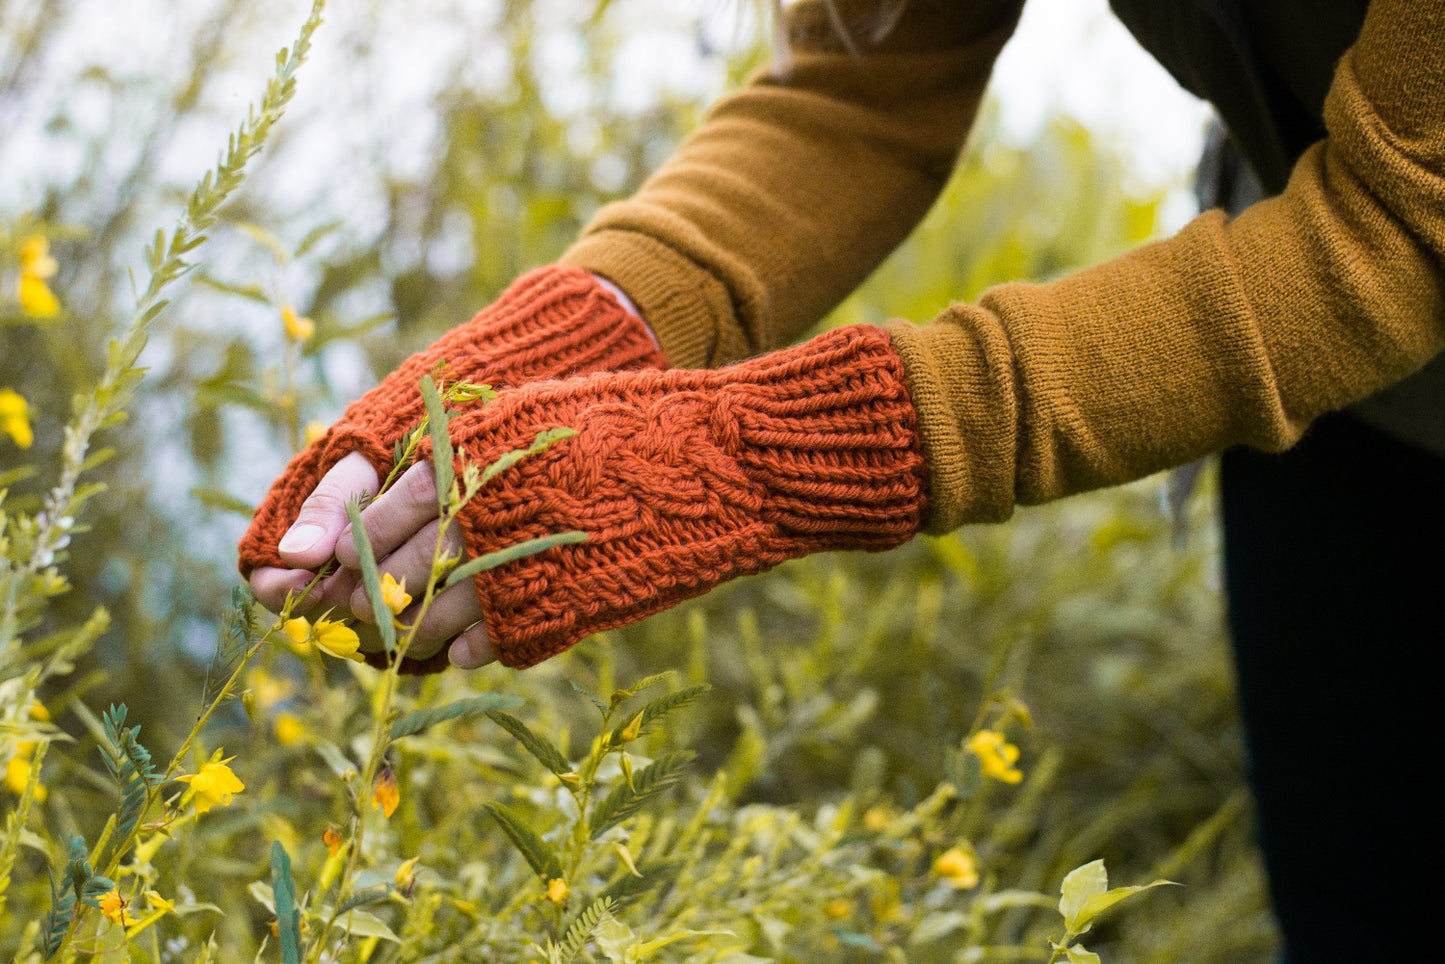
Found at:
[842, 686]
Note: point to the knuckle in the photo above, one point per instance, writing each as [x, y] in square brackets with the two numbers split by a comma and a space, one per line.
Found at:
[418, 485]
[323, 503]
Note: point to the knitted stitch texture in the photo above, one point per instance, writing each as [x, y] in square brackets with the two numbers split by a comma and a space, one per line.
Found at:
[552, 322]
[683, 479]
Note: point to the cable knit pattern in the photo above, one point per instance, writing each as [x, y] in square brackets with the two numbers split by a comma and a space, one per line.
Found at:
[552, 322]
[685, 479]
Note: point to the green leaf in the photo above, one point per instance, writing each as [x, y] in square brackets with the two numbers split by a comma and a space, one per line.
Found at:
[370, 577]
[628, 888]
[1099, 903]
[648, 948]
[1086, 894]
[288, 917]
[265, 239]
[659, 708]
[622, 695]
[360, 923]
[223, 501]
[315, 235]
[251, 292]
[19, 474]
[130, 766]
[365, 898]
[580, 930]
[545, 752]
[520, 550]
[1078, 954]
[601, 706]
[409, 724]
[335, 759]
[232, 644]
[441, 444]
[937, 925]
[626, 799]
[1079, 885]
[540, 857]
[614, 939]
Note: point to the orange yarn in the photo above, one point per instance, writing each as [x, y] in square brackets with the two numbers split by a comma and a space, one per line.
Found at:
[551, 322]
[684, 479]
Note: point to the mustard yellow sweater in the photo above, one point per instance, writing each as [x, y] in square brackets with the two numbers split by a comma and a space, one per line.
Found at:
[1233, 331]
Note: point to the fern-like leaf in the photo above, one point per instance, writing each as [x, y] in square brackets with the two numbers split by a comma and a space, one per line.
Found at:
[130, 765]
[56, 922]
[627, 798]
[621, 696]
[657, 709]
[365, 898]
[601, 706]
[237, 632]
[549, 756]
[409, 724]
[629, 887]
[580, 930]
[15, 822]
[540, 857]
[81, 876]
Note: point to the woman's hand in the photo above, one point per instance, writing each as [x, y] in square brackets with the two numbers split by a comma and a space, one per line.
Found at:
[402, 527]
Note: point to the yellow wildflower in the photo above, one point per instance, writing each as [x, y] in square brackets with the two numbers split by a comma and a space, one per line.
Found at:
[332, 839]
[15, 418]
[406, 875]
[298, 327]
[877, 818]
[112, 907]
[213, 784]
[314, 430]
[384, 793]
[298, 630]
[838, 908]
[557, 890]
[35, 259]
[36, 298]
[289, 729]
[36, 264]
[270, 690]
[394, 593]
[17, 776]
[996, 755]
[337, 639]
[631, 730]
[158, 902]
[957, 867]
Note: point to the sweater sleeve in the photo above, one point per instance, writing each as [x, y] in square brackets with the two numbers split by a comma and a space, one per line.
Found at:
[1233, 331]
[795, 188]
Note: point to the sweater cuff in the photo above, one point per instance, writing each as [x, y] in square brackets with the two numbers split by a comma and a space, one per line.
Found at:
[967, 415]
[687, 308]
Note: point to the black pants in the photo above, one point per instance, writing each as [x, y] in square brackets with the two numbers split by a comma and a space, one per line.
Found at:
[1335, 561]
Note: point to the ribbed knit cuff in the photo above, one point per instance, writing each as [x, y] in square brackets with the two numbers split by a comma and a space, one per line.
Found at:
[685, 479]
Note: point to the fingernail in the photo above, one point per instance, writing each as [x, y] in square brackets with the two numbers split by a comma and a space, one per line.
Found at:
[300, 538]
[461, 655]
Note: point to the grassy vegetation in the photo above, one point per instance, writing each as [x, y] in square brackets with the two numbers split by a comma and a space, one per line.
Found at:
[810, 784]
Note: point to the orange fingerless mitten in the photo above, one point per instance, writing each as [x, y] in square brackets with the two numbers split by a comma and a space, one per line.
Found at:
[684, 479]
[552, 322]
